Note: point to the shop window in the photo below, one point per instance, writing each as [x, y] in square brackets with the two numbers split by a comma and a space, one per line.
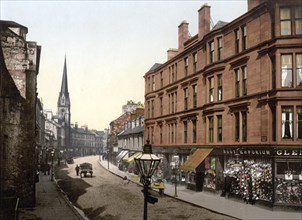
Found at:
[287, 123]
[211, 89]
[210, 173]
[251, 179]
[287, 70]
[211, 129]
[299, 122]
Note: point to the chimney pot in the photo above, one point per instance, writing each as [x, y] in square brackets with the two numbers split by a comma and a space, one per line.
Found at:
[204, 20]
[183, 34]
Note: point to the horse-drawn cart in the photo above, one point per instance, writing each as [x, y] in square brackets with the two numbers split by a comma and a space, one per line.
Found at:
[85, 168]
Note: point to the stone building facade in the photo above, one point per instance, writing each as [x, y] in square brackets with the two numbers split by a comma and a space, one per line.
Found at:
[227, 104]
[19, 61]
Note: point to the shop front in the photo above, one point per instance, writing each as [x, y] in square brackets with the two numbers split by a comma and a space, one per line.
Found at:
[248, 174]
[288, 176]
[194, 168]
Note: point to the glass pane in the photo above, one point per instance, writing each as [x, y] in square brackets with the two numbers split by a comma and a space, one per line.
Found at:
[287, 78]
[285, 13]
[286, 28]
[298, 12]
[298, 27]
[286, 61]
[299, 69]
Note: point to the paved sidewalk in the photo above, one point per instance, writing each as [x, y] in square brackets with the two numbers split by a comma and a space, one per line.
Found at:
[51, 203]
[214, 202]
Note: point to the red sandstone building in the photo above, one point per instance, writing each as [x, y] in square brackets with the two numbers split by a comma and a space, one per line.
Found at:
[226, 106]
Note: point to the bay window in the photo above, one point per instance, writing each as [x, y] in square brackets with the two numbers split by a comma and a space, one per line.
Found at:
[287, 122]
[211, 89]
[299, 122]
[287, 70]
[211, 129]
[299, 69]
[219, 78]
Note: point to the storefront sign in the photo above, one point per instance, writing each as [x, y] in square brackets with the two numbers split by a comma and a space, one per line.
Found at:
[246, 152]
[288, 152]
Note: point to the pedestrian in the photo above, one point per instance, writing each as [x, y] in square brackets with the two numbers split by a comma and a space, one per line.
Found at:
[77, 169]
[125, 180]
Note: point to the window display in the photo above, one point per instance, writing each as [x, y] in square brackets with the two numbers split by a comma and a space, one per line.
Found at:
[250, 179]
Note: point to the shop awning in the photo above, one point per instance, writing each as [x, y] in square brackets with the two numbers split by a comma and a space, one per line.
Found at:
[121, 155]
[131, 159]
[192, 163]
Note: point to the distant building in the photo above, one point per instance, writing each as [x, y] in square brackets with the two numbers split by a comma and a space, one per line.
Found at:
[131, 106]
[19, 67]
[84, 141]
[227, 103]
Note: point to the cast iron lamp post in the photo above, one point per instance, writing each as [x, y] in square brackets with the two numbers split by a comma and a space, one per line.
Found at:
[175, 172]
[52, 172]
[146, 164]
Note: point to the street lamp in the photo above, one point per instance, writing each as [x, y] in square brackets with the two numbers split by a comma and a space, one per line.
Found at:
[146, 164]
[108, 151]
[52, 173]
[175, 172]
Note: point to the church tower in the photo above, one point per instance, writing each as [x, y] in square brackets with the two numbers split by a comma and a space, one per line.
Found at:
[64, 109]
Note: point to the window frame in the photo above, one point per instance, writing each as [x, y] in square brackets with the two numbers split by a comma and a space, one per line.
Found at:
[211, 52]
[211, 89]
[211, 129]
[220, 48]
[219, 128]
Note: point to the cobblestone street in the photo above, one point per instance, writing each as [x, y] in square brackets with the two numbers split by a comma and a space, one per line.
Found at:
[105, 196]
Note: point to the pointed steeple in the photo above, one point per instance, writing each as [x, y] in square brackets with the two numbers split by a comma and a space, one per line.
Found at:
[64, 94]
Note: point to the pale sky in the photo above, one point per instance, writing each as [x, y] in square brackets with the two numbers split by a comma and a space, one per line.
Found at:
[109, 46]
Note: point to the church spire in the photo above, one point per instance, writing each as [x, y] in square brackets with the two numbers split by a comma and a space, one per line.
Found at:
[64, 94]
[64, 86]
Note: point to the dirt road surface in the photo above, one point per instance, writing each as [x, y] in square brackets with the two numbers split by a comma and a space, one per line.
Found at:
[104, 196]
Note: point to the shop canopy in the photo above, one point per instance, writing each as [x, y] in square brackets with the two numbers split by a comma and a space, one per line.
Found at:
[192, 163]
[121, 155]
[131, 159]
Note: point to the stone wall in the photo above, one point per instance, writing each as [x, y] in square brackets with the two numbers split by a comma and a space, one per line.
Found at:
[17, 118]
